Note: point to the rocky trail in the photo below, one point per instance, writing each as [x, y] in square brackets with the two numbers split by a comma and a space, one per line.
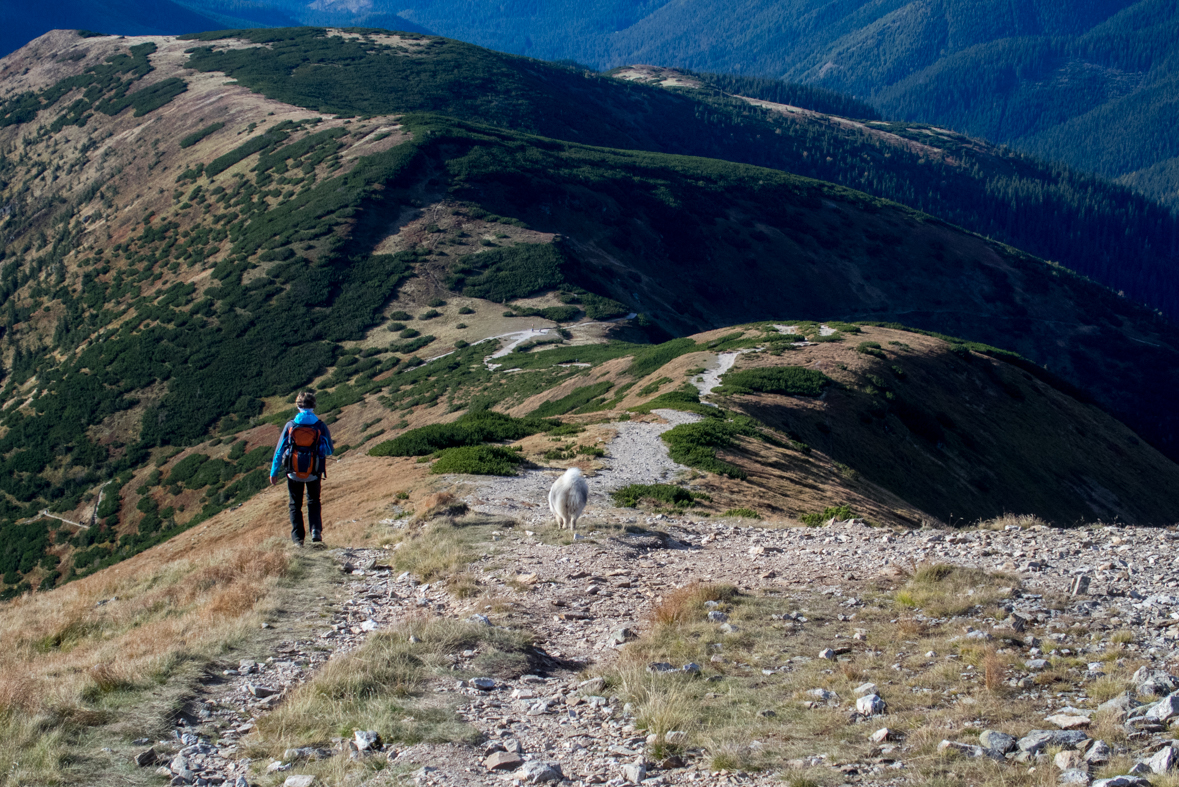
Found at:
[583, 601]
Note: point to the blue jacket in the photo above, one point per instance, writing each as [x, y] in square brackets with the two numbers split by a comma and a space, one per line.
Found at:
[280, 453]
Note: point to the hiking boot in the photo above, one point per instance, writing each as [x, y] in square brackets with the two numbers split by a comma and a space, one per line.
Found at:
[316, 537]
[296, 541]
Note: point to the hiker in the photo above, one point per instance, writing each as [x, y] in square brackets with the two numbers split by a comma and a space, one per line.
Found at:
[302, 452]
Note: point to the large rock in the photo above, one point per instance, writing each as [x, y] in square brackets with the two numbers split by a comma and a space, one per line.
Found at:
[1165, 709]
[1037, 740]
[1079, 776]
[1099, 753]
[870, 705]
[1122, 781]
[146, 757]
[1154, 682]
[1119, 706]
[537, 772]
[300, 780]
[1164, 760]
[999, 741]
[1067, 721]
[368, 740]
[503, 761]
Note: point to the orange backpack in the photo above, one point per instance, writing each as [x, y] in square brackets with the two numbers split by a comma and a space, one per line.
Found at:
[303, 459]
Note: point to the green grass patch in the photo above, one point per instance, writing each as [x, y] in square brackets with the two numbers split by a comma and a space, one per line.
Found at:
[477, 460]
[651, 359]
[686, 399]
[747, 513]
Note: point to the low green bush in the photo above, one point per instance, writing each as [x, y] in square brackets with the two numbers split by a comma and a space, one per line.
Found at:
[696, 444]
[870, 348]
[630, 495]
[787, 380]
[477, 460]
[475, 428]
[685, 400]
[747, 513]
[841, 513]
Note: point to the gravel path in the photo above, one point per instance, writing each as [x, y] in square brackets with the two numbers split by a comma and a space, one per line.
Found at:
[636, 455]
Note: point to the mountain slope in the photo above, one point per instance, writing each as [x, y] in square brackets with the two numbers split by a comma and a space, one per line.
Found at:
[1096, 229]
[183, 254]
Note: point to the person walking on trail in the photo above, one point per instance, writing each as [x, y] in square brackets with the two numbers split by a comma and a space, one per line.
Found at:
[302, 453]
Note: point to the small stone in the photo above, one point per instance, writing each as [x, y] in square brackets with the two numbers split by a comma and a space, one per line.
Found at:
[717, 617]
[481, 620]
[146, 757]
[484, 684]
[300, 780]
[592, 686]
[827, 653]
[1036, 665]
[882, 735]
[729, 628]
[824, 695]
[635, 772]
[503, 761]
[870, 705]
[692, 668]
[660, 666]
[1140, 769]
[537, 772]
[966, 749]
[865, 688]
[259, 691]
[766, 713]
[622, 636]
[1075, 776]
[1067, 760]
[998, 741]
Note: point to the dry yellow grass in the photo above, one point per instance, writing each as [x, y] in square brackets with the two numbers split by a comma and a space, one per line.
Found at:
[754, 709]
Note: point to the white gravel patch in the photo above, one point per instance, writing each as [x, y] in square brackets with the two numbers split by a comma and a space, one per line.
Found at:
[711, 377]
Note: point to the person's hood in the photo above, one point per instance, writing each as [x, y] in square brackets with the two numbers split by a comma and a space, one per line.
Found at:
[306, 417]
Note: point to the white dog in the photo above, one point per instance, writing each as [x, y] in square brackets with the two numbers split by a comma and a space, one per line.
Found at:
[567, 497]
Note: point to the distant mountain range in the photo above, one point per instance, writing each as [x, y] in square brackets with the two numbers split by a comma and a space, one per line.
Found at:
[1088, 83]
[22, 22]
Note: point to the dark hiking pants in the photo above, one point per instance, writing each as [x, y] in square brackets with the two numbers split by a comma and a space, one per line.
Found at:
[295, 503]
